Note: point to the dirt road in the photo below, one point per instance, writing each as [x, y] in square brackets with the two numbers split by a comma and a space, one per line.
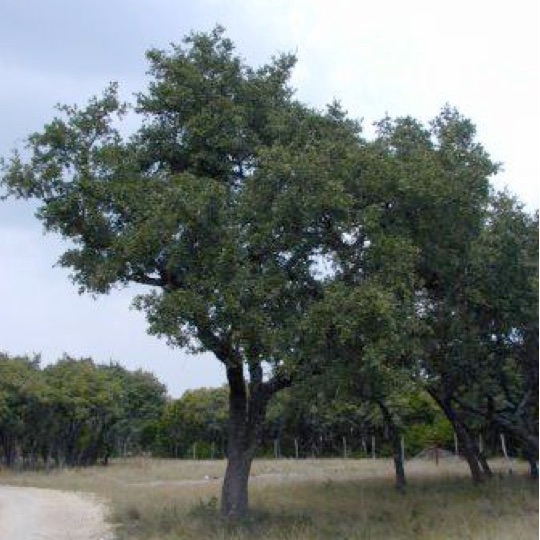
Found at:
[45, 514]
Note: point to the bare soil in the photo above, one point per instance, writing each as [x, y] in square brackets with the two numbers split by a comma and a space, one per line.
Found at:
[46, 514]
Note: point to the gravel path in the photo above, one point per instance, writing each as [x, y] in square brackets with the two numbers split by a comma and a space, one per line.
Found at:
[46, 514]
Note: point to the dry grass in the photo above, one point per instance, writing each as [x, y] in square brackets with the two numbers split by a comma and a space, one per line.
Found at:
[307, 499]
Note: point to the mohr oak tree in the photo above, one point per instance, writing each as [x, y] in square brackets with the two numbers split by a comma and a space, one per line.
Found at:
[216, 203]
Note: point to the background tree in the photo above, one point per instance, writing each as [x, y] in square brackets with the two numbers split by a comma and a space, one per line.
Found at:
[142, 400]
[72, 413]
[439, 181]
[23, 398]
[85, 405]
[195, 425]
[502, 293]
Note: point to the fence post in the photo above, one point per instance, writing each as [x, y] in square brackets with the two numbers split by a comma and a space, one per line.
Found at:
[296, 448]
[194, 450]
[456, 447]
[480, 444]
[373, 447]
[505, 452]
[344, 448]
[276, 448]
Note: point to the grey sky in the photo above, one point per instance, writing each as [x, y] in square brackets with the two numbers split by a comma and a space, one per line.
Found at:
[393, 57]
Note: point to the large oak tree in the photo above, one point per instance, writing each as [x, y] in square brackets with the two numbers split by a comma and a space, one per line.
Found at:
[217, 203]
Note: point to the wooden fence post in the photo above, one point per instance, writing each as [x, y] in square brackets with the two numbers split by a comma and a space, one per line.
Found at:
[373, 455]
[505, 452]
[296, 448]
[344, 448]
[276, 448]
[456, 447]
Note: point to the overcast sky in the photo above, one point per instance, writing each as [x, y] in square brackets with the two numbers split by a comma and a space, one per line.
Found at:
[389, 56]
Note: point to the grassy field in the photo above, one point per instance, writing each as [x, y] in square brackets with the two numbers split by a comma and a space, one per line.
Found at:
[307, 499]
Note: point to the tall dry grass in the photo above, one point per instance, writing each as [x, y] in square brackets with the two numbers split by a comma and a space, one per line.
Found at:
[307, 499]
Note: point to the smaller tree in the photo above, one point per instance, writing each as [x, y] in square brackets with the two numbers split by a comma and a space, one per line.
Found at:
[502, 293]
[198, 418]
[85, 405]
[141, 403]
[23, 418]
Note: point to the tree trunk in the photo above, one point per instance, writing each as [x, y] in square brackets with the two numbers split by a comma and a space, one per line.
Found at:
[234, 493]
[469, 453]
[480, 456]
[401, 480]
[532, 457]
[533, 467]
[523, 433]
[484, 464]
[399, 466]
[467, 444]
[247, 410]
[517, 430]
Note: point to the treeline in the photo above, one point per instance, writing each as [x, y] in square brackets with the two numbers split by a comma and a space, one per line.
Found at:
[77, 413]
[195, 426]
[74, 413]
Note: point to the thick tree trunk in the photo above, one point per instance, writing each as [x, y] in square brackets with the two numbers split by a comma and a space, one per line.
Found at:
[234, 493]
[247, 409]
[470, 455]
[481, 458]
[401, 480]
[399, 466]
[467, 444]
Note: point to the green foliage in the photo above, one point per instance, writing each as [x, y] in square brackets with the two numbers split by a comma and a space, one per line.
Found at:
[502, 291]
[198, 418]
[73, 412]
[142, 400]
[218, 201]
[425, 425]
